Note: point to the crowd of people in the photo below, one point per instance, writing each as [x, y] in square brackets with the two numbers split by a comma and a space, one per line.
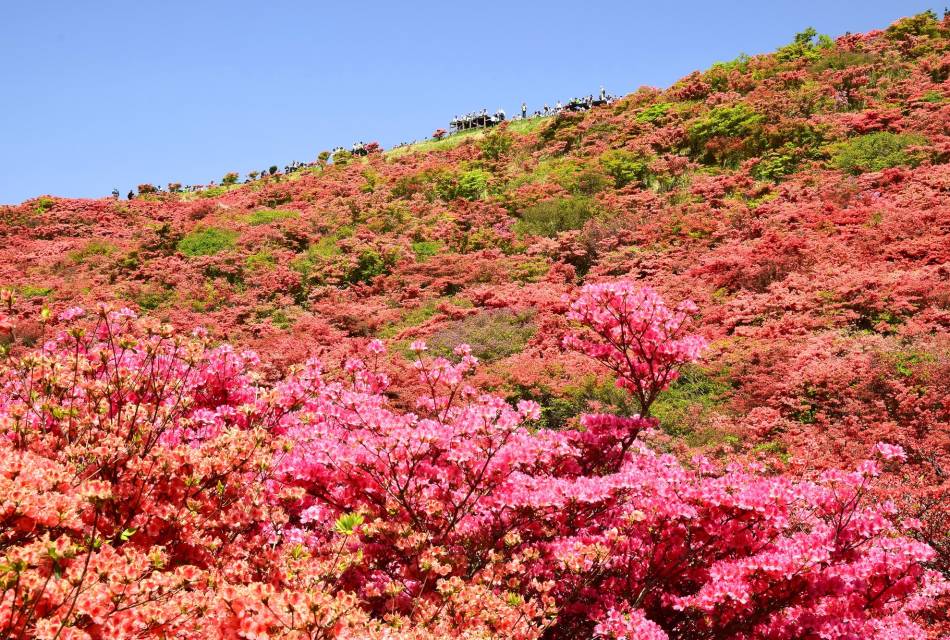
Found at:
[474, 120]
[477, 120]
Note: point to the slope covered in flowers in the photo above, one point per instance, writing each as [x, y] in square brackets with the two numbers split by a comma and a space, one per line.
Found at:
[799, 199]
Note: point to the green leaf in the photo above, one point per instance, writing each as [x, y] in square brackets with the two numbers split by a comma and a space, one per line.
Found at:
[348, 523]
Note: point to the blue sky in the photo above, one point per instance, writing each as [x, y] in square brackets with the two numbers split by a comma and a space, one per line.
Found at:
[97, 94]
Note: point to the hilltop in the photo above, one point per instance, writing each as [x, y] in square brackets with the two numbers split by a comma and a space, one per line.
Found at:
[801, 199]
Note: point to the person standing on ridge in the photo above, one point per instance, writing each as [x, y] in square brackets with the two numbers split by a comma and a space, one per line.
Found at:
[524, 110]
[131, 195]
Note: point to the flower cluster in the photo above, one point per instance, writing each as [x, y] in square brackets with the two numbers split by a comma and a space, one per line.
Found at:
[154, 485]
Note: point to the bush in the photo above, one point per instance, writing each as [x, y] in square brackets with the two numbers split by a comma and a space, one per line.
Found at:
[472, 185]
[369, 265]
[206, 241]
[229, 178]
[267, 216]
[626, 167]
[738, 123]
[92, 248]
[654, 112]
[43, 204]
[877, 151]
[496, 144]
[804, 46]
[492, 335]
[551, 217]
[425, 249]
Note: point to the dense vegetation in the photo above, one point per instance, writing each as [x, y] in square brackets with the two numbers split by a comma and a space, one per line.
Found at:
[615, 467]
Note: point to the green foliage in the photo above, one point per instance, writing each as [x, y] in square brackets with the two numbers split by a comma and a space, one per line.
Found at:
[589, 395]
[207, 241]
[417, 315]
[843, 60]
[626, 167]
[153, 297]
[654, 112]
[472, 185]
[551, 217]
[43, 204]
[35, 291]
[777, 163]
[342, 157]
[371, 180]
[425, 249]
[229, 178]
[492, 335]
[348, 523]
[213, 192]
[877, 151]
[922, 24]
[262, 260]
[92, 248]
[737, 121]
[369, 265]
[804, 46]
[267, 216]
[496, 144]
[681, 409]
[726, 122]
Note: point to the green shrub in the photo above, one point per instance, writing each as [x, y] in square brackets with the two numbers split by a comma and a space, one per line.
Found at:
[726, 122]
[922, 24]
[425, 249]
[496, 144]
[34, 291]
[776, 164]
[206, 241]
[229, 178]
[736, 121]
[43, 204]
[369, 265]
[551, 217]
[473, 184]
[213, 192]
[654, 112]
[877, 151]
[492, 335]
[92, 248]
[152, 298]
[267, 216]
[843, 59]
[589, 395]
[626, 167]
[682, 407]
[260, 261]
[804, 46]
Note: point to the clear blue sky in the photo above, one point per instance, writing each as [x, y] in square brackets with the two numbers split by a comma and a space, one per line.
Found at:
[97, 94]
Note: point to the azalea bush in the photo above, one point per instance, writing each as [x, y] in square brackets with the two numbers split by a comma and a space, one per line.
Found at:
[155, 486]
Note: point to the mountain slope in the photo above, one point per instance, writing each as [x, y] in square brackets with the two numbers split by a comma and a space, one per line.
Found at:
[801, 199]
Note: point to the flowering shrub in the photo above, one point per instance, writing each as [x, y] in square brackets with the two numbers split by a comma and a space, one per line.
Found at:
[154, 486]
[817, 251]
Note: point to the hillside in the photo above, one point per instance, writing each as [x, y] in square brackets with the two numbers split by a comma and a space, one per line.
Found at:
[800, 199]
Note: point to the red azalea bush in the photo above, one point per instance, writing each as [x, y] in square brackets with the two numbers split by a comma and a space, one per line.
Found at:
[154, 485]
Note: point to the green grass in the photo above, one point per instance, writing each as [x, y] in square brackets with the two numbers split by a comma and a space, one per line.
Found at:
[455, 139]
[207, 241]
[267, 216]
